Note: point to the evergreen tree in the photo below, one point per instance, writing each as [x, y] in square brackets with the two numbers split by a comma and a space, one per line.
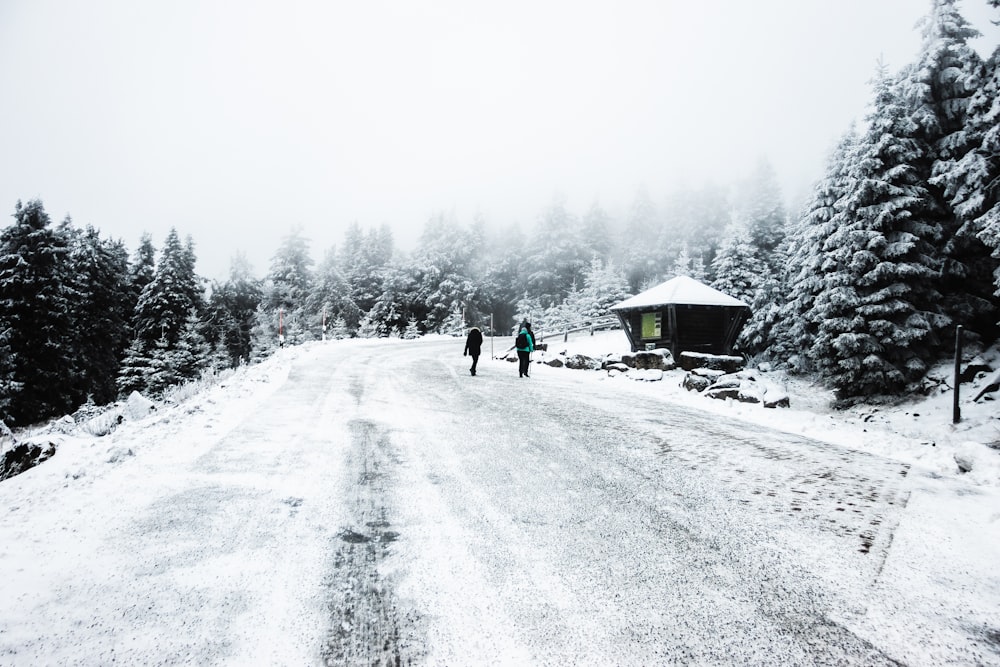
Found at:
[36, 316]
[136, 368]
[368, 328]
[794, 332]
[975, 181]
[142, 270]
[688, 265]
[440, 268]
[529, 309]
[331, 293]
[938, 88]
[233, 311]
[163, 314]
[757, 335]
[100, 273]
[412, 332]
[191, 354]
[604, 286]
[499, 286]
[643, 264]
[396, 303]
[876, 311]
[9, 386]
[699, 220]
[737, 267]
[339, 330]
[290, 276]
[557, 255]
[597, 232]
[364, 261]
[763, 213]
[288, 287]
[173, 293]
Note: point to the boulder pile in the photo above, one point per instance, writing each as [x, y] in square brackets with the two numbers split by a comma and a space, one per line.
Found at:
[746, 386]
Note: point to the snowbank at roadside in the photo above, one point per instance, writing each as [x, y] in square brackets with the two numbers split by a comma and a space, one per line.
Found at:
[918, 431]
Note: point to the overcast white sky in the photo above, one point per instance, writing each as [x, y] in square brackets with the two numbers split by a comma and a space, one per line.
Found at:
[235, 121]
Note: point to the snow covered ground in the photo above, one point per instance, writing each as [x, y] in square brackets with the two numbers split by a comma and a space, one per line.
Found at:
[85, 536]
[918, 431]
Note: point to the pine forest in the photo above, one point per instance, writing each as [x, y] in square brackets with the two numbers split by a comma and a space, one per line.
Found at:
[862, 288]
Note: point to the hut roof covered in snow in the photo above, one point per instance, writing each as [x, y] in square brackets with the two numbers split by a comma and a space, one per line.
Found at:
[679, 290]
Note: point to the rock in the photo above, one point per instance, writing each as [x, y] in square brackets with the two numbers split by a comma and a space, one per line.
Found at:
[728, 381]
[709, 373]
[967, 455]
[722, 392]
[729, 364]
[24, 456]
[659, 358]
[992, 384]
[693, 382]
[619, 367]
[976, 366]
[7, 439]
[138, 406]
[65, 424]
[118, 454]
[748, 387]
[777, 400]
[582, 362]
[750, 392]
[101, 425]
[612, 358]
[555, 362]
[645, 374]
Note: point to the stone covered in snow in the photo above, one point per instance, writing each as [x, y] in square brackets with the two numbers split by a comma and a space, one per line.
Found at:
[659, 359]
[138, 406]
[721, 362]
[693, 382]
[24, 456]
[645, 374]
[582, 362]
[749, 387]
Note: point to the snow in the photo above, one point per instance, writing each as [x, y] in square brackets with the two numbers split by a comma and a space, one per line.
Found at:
[681, 289]
[918, 432]
[63, 514]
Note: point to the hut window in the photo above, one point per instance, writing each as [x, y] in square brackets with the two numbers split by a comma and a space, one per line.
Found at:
[651, 325]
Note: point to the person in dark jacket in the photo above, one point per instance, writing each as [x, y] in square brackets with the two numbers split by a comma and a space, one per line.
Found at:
[473, 346]
[524, 345]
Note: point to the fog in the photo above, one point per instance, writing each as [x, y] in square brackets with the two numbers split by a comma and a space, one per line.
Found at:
[236, 121]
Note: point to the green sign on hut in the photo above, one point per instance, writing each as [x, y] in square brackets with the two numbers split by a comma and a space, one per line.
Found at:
[683, 315]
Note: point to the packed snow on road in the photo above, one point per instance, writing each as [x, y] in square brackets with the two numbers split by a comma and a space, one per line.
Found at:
[369, 501]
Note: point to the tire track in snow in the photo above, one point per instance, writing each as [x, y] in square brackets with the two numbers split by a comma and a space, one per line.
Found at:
[367, 624]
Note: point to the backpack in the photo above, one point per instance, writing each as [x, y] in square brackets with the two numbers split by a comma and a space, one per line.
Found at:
[521, 342]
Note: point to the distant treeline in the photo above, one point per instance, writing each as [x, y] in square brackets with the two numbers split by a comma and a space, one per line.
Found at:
[899, 244]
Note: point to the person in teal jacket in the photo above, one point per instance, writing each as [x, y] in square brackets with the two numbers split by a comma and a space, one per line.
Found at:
[525, 345]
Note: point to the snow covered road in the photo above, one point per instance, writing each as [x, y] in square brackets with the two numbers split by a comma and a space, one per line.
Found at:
[379, 505]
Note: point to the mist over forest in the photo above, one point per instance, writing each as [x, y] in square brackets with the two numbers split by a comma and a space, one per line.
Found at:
[863, 287]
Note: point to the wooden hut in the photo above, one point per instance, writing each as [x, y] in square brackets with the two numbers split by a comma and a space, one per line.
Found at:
[683, 315]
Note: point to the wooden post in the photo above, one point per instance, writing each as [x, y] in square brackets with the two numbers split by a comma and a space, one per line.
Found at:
[956, 411]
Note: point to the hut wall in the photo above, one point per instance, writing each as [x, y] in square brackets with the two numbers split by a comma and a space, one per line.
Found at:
[701, 329]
